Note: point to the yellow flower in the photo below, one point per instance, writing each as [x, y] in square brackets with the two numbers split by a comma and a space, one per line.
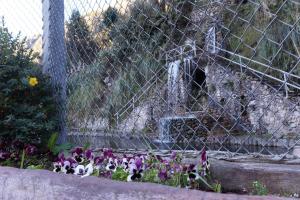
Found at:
[33, 81]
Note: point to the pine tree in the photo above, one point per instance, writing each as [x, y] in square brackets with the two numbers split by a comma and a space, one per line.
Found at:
[80, 45]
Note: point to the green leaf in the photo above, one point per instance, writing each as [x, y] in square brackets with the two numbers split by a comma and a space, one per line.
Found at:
[202, 180]
[96, 172]
[52, 141]
[217, 187]
[150, 176]
[120, 175]
[62, 148]
[86, 146]
[34, 167]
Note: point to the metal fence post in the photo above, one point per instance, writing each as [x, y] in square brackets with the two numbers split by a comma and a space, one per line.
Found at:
[54, 56]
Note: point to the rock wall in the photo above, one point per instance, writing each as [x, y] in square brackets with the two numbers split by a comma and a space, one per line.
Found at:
[260, 108]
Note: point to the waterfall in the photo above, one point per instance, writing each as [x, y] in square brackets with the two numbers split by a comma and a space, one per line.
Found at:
[164, 131]
[175, 86]
[211, 40]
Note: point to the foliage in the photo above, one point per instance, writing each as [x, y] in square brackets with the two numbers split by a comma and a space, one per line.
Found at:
[248, 39]
[56, 148]
[81, 47]
[27, 107]
[110, 16]
[120, 175]
[151, 176]
[132, 57]
[259, 188]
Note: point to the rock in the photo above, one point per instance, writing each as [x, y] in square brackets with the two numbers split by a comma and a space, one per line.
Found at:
[19, 184]
[238, 176]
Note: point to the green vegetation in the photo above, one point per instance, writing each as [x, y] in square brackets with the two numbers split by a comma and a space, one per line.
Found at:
[256, 33]
[27, 109]
[259, 189]
[132, 47]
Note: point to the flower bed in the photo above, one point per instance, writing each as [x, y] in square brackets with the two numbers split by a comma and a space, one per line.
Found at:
[138, 167]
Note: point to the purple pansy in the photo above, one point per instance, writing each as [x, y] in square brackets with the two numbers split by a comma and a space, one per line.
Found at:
[138, 163]
[163, 174]
[89, 154]
[173, 155]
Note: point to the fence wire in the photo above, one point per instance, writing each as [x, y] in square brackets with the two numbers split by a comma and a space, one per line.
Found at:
[184, 74]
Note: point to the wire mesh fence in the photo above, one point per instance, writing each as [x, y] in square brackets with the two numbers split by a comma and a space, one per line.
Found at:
[183, 74]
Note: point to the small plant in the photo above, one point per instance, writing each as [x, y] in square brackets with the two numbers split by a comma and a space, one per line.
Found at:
[259, 188]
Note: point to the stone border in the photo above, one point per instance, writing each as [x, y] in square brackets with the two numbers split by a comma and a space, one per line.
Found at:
[41, 184]
[239, 176]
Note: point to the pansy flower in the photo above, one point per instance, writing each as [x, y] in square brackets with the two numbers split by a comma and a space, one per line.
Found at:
[89, 154]
[173, 155]
[163, 174]
[4, 155]
[68, 166]
[112, 164]
[192, 173]
[134, 173]
[138, 162]
[107, 153]
[77, 153]
[98, 160]
[204, 163]
[30, 149]
[57, 167]
[88, 170]
[79, 170]
[125, 164]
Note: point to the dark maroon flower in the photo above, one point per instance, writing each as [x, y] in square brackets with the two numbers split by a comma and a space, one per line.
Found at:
[184, 168]
[98, 160]
[30, 149]
[191, 167]
[204, 163]
[17, 144]
[163, 175]
[105, 174]
[89, 154]
[77, 151]
[203, 156]
[107, 153]
[4, 155]
[159, 158]
[60, 158]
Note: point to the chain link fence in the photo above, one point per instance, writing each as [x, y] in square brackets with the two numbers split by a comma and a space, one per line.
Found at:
[183, 74]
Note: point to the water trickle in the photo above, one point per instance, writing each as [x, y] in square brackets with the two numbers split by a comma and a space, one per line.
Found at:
[164, 131]
[211, 40]
[175, 86]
